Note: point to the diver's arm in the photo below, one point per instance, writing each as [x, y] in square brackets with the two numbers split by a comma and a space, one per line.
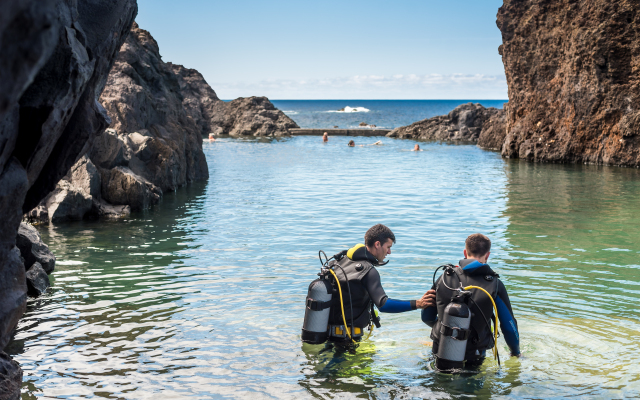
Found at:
[371, 282]
[508, 323]
[430, 313]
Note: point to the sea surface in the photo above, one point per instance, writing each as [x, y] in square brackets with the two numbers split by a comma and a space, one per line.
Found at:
[382, 113]
[203, 296]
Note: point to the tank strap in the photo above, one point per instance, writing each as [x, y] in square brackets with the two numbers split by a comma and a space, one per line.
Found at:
[318, 305]
[454, 332]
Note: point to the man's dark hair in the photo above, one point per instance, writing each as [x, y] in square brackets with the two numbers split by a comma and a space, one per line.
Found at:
[477, 245]
[378, 233]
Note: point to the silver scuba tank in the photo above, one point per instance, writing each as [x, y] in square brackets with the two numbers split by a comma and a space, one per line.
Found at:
[454, 333]
[315, 328]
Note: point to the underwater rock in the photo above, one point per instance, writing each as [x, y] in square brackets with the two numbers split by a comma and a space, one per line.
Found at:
[464, 123]
[574, 80]
[37, 280]
[10, 378]
[33, 249]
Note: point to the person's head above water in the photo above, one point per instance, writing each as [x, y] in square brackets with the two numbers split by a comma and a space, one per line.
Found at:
[379, 240]
[416, 147]
[351, 143]
[477, 247]
[325, 137]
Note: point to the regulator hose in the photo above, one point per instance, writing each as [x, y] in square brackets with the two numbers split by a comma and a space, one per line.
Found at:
[495, 331]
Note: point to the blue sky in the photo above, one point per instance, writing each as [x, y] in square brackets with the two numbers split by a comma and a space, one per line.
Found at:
[403, 49]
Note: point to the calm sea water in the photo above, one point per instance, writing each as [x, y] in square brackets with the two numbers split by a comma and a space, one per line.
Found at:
[382, 113]
[203, 295]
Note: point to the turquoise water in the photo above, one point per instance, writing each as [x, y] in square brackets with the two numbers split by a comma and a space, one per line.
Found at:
[202, 296]
[382, 113]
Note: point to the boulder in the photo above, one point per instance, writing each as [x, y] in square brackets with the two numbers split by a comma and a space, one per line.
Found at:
[464, 123]
[37, 280]
[121, 186]
[10, 378]
[573, 78]
[33, 250]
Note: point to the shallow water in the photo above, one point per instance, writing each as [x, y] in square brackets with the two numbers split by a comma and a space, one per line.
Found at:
[202, 296]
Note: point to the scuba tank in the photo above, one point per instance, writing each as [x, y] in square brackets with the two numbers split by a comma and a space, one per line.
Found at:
[315, 328]
[454, 332]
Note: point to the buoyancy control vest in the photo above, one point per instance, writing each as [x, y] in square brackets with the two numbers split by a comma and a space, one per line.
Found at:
[480, 337]
[357, 302]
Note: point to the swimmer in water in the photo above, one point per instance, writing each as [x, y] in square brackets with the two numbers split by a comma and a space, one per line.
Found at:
[325, 137]
[212, 138]
[416, 147]
[378, 143]
[351, 143]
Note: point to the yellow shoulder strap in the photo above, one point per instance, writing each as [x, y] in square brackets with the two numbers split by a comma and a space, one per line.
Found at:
[353, 250]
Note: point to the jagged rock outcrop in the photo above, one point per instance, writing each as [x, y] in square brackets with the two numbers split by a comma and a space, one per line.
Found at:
[250, 116]
[464, 123]
[56, 56]
[33, 250]
[573, 72]
[10, 378]
[493, 132]
[153, 139]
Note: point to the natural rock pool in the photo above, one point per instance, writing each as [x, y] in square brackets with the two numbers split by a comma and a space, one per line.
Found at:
[203, 296]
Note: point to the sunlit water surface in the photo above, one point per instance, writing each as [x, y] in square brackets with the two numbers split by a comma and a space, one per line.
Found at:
[203, 295]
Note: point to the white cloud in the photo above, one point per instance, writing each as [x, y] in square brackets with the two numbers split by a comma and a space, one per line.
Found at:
[431, 86]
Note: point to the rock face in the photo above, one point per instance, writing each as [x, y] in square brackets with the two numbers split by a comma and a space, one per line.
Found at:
[33, 250]
[56, 56]
[37, 280]
[494, 131]
[10, 378]
[573, 71]
[464, 123]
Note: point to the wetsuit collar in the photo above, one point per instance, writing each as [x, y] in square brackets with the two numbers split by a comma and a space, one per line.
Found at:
[475, 267]
[359, 252]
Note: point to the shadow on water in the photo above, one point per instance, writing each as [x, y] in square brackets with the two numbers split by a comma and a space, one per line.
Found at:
[110, 301]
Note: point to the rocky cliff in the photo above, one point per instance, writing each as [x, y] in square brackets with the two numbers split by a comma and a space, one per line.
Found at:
[465, 123]
[573, 71]
[56, 56]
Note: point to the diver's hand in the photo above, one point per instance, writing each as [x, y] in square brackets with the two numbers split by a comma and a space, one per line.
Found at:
[427, 300]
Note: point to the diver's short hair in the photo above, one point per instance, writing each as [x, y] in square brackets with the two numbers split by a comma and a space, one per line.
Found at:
[378, 233]
[477, 245]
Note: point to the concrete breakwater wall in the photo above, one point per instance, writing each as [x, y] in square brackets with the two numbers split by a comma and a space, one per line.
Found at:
[341, 132]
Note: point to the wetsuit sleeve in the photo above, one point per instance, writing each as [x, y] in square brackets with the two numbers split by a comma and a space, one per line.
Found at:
[430, 314]
[372, 284]
[508, 323]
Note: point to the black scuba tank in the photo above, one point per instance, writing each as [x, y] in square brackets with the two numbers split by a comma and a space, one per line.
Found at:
[454, 333]
[315, 328]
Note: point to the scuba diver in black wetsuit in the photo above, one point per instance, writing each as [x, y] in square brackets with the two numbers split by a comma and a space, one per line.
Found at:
[361, 287]
[465, 283]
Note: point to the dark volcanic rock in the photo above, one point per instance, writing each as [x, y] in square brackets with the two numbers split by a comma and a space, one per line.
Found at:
[55, 59]
[160, 142]
[33, 250]
[573, 71]
[464, 123]
[252, 116]
[10, 378]
[37, 280]
[493, 132]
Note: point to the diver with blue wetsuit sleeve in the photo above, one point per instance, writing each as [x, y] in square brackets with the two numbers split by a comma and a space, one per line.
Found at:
[362, 288]
[472, 271]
